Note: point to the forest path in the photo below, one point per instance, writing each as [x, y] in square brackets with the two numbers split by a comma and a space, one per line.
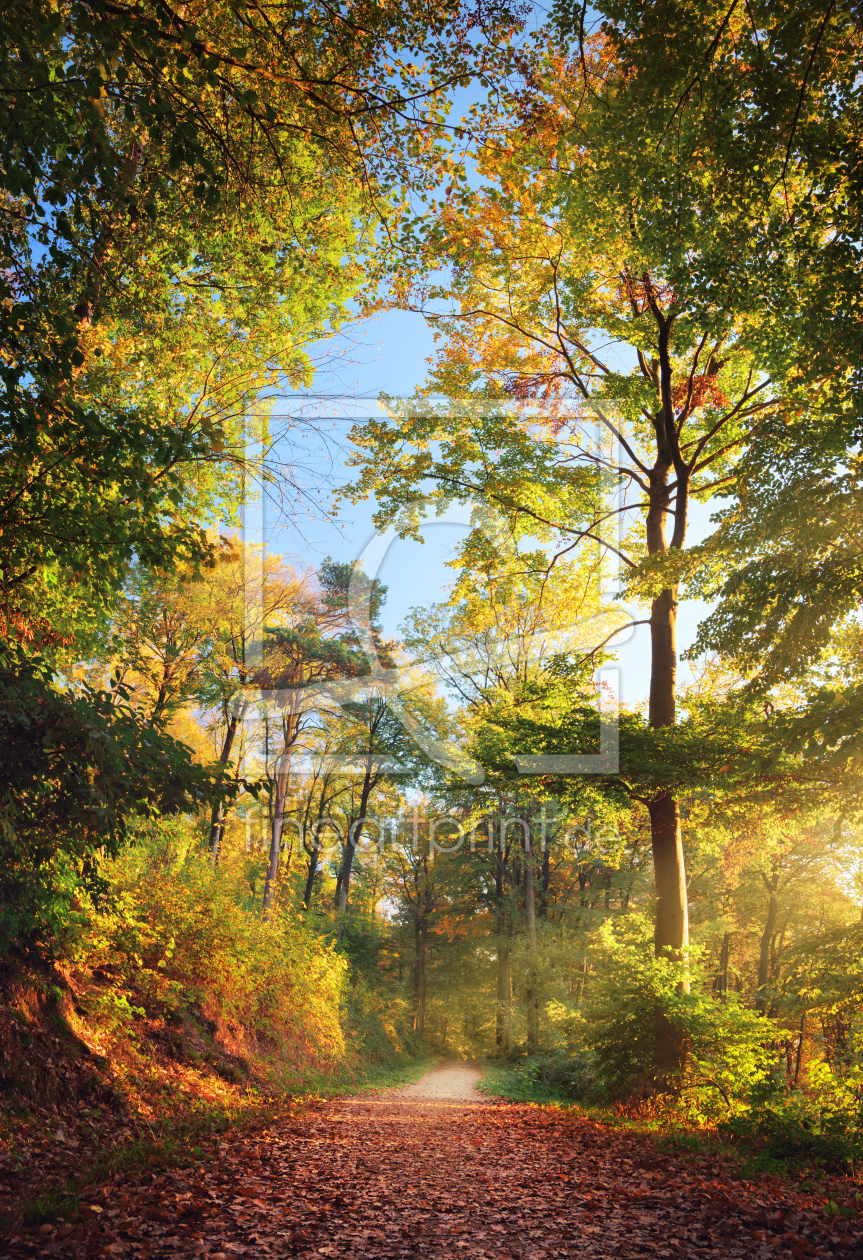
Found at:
[437, 1170]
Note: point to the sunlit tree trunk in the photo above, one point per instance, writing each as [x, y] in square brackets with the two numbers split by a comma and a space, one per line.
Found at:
[504, 997]
[724, 956]
[421, 976]
[671, 927]
[545, 879]
[799, 1060]
[217, 817]
[280, 797]
[417, 971]
[530, 931]
[504, 960]
[772, 885]
[352, 839]
[311, 872]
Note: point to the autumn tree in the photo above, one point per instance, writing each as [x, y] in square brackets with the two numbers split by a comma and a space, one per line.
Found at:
[589, 278]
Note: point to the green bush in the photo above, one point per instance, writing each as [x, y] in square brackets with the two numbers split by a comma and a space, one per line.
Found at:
[819, 1124]
[176, 935]
[80, 767]
[727, 1045]
[569, 1076]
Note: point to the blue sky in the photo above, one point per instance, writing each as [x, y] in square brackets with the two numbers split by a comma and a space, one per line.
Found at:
[390, 355]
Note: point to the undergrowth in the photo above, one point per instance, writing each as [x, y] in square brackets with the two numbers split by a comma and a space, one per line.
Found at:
[782, 1131]
[171, 1013]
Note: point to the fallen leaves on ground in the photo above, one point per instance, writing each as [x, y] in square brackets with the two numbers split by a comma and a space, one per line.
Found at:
[400, 1175]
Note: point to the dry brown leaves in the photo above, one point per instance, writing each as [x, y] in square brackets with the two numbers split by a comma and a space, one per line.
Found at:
[390, 1176]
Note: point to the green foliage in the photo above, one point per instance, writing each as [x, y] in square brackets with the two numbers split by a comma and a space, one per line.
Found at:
[80, 765]
[545, 1078]
[183, 216]
[180, 936]
[821, 1124]
[728, 1044]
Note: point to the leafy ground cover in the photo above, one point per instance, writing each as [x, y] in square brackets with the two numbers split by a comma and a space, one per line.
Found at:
[781, 1133]
[422, 1171]
[87, 1098]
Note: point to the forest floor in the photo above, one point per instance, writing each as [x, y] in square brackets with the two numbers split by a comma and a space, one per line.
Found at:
[436, 1169]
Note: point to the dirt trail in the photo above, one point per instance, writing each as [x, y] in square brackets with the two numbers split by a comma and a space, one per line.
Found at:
[447, 1082]
[437, 1170]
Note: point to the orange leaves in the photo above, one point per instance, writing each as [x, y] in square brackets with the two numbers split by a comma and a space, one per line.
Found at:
[403, 1174]
[705, 391]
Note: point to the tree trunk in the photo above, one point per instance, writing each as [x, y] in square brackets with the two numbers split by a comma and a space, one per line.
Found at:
[545, 879]
[310, 879]
[799, 1061]
[671, 931]
[504, 982]
[530, 929]
[276, 833]
[351, 842]
[504, 995]
[421, 975]
[723, 967]
[761, 1000]
[417, 971]
[217, 817]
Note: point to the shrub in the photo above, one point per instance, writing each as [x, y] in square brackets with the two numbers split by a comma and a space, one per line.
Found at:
[562, 1075]
[79, 766]
[821, 1123]
[728, 1045]
[180, 935]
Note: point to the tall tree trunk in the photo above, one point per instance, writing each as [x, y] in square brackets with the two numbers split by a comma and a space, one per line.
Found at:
[313, 830]
[671, 927]
[417, 969]
[671, 931]
[545, 880]
[276, 832]
[761, 999]
[530, 930]
[504, 983]
[799, 1059]
[310, 879]
[351, 841]
[217, 817]
[504, 997]
[723, 967]
[422, 960]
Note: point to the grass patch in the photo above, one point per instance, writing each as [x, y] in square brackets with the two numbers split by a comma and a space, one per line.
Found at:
[403, 1074]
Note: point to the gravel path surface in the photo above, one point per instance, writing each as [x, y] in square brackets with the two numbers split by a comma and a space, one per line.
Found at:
[447, 1080]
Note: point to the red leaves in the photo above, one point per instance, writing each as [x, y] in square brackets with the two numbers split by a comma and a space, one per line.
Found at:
[402, 1175]
[705, 392]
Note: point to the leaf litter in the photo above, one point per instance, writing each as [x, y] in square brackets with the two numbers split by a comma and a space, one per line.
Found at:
[436, 1170]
